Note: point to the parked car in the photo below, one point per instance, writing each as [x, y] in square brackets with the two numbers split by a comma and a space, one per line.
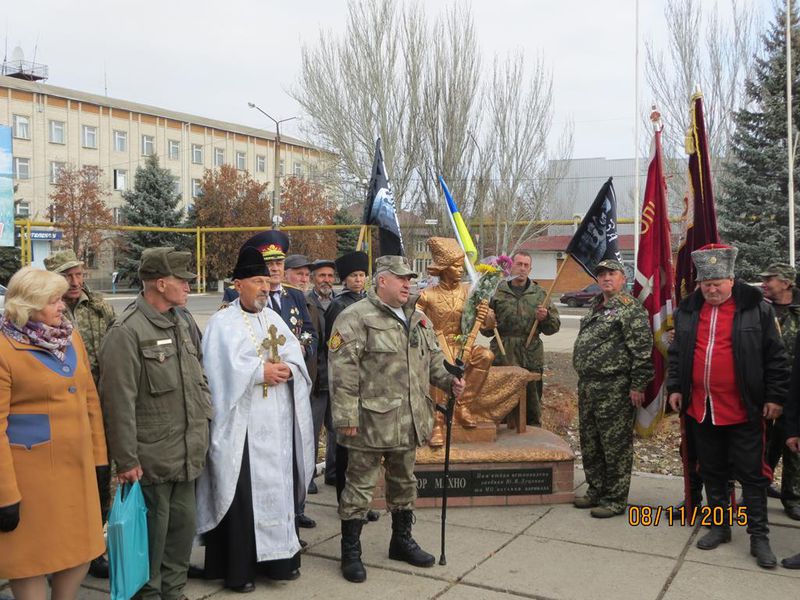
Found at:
[581, 297]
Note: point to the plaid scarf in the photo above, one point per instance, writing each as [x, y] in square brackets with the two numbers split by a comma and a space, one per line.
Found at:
[52, 339]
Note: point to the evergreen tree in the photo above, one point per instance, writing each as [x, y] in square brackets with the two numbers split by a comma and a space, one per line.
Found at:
[753, 209]
[9, 263]
[346, 239]
[153, 202]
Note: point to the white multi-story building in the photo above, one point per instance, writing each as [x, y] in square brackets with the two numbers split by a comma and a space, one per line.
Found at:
[53, 126]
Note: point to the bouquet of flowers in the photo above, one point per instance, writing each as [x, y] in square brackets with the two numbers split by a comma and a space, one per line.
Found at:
[483, 289]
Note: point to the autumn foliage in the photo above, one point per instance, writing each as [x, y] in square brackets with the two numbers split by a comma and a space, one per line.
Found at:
[305, 203]
[78, 200]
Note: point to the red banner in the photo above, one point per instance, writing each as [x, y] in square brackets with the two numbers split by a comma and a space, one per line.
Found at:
[654, 285]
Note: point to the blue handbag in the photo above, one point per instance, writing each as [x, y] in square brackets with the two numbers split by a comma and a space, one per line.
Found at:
[128, 557]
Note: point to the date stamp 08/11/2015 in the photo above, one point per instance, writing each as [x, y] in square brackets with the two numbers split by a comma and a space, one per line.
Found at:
[706, 516]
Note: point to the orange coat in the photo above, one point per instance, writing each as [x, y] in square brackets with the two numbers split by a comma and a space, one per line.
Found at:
[51, 439]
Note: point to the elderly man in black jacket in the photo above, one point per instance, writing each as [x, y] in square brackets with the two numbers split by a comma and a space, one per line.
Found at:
[728, 373]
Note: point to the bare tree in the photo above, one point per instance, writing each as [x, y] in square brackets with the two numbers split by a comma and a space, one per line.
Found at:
[706, 52]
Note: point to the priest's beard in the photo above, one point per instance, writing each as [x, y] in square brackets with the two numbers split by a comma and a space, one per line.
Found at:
[260, 303]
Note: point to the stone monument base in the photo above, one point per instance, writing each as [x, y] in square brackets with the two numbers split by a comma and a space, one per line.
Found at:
[534, 467]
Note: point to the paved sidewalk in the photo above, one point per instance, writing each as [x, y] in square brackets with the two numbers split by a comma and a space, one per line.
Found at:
[543, 552]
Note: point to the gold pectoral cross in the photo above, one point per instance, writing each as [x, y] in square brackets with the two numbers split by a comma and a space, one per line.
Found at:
[271, 344]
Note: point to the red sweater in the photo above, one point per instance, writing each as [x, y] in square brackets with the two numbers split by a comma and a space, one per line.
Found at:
[713, 371]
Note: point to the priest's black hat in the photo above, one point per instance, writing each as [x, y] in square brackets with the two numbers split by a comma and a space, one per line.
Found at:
[250, 263]
[273, 244]
[350, 262]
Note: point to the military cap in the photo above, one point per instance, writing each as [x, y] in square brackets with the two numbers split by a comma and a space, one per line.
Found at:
[609, 264]
[780, 270]
[714, 261]
[163, 262]
[250, 263]
[62, 261]
[273, 244]
[397, 265]
[297, 261]
[322, 262]
[351, 262]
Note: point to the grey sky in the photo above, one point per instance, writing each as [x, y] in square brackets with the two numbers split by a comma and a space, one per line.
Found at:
[210, 57]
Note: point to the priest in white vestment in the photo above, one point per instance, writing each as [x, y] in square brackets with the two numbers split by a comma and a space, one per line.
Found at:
[261, 455]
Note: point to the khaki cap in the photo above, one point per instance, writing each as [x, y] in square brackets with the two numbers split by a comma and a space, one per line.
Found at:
[609, 264]
[62, 261]
[781, 270]
[163, 262]
[397, 265]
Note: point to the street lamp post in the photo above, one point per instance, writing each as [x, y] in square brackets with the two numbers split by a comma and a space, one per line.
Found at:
[276, 196]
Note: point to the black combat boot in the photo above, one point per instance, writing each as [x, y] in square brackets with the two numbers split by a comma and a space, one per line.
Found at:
[719, 534]
[402, 546]
[352, 567]
[755, 499]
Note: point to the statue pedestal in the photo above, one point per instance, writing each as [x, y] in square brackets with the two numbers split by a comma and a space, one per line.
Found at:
[483, 432]
[535, 467]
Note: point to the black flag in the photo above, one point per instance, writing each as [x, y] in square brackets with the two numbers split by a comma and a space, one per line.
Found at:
[380, 208]
[596, 238]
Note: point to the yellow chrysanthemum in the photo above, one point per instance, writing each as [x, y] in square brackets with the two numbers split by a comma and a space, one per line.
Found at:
[486, 269]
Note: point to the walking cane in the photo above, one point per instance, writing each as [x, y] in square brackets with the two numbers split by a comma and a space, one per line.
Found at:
[456, 370]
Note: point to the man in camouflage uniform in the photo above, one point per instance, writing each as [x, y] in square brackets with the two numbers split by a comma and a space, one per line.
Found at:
[778, 285]
[383, 356]
[612, 359]
[517, 305]
[92, 316]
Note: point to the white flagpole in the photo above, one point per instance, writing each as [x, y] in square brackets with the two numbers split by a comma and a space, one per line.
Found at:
[789, 133]
[636, 216]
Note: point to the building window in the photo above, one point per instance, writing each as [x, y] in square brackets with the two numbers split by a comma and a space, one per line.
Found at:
[57, 132]
[148, 145]
[89, 136]
[55, 171]
[241, 161]
[197, 188]
[120, 179]
[174, 150]
[117, 215]
[197, 154]
[22, 209]
[261, 164]
[176, 186]
[121, 141]
[22, 168]
[298, 169]
[283, 172]
[22, 127]
[219, 157]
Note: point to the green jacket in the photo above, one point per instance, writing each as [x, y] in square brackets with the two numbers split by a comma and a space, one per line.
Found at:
[92, 316]
[515, 313]
[789, 320]
[155, 397]
[380, 370]
[615, 340]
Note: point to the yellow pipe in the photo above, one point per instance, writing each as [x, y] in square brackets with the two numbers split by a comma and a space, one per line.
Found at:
[197, 256]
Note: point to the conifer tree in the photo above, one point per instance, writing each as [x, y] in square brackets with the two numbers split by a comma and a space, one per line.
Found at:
[153, 202]
[753, 198]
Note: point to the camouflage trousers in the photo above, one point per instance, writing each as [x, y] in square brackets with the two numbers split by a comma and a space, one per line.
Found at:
[606, 432]
[776, 449]
[533, 402]
[363, 468]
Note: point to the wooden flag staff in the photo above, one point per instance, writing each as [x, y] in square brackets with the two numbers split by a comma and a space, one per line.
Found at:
[546, 302]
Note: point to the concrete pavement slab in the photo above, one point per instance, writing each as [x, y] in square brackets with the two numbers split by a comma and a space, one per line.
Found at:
[321, 579]
[655, 490]
[468, 592]
[778, 516]
[570, 524]
[466, 548]
[508, 519]
[569, 571]
[695, 580]
[784, 541]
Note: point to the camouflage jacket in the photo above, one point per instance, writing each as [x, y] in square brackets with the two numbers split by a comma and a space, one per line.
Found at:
[379, 371]
[789, 320]
[515, 314]
[92, 316]
[615, 340]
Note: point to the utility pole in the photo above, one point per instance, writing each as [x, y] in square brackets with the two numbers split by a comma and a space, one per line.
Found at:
[789, 132]
[276, 168]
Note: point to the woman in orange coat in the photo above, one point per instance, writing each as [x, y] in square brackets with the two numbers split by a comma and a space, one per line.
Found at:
[52, 446]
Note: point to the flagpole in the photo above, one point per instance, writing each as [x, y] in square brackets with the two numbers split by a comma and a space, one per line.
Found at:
[789, 132]
[546, 300]
[636, 216]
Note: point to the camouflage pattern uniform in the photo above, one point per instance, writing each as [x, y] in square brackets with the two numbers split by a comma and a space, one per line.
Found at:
[92, 315]
[612, 358]
[515, 312]
[379, 372]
